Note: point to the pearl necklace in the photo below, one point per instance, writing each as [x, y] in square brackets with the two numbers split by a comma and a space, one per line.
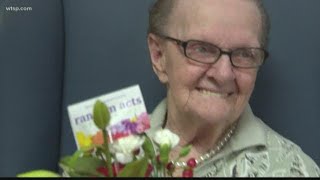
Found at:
[211, 153]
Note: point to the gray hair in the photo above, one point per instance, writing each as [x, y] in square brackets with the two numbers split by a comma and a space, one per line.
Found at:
[160, 11]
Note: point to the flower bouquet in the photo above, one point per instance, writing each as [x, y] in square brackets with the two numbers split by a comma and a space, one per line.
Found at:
[135, 155]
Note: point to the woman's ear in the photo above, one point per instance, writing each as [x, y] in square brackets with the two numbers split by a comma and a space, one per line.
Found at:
[158, 59]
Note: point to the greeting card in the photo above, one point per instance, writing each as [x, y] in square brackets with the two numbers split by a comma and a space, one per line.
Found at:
[128, 116]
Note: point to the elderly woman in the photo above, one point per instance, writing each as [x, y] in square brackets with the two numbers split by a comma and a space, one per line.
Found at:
[208, 54]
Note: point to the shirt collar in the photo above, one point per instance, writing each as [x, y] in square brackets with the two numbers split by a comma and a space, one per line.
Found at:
[157, 117]
[250, 130]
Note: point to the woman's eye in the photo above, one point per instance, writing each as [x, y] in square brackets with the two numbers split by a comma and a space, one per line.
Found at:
[201, 49]
[246, 54]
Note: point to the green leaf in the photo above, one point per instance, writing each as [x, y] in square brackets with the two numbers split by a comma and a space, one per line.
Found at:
[164, 153]
[83, 166]
[101, 115]
[38, 173]
[88, 165]
[63, 164]
[185, 151]
[148, 148]
[70, 160]
[136, 168]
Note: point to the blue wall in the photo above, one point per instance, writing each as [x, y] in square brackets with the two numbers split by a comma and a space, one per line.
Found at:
[66, 51]
[31, 70]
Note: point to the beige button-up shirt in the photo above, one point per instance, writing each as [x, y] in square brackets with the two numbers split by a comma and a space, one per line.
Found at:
[254, 150]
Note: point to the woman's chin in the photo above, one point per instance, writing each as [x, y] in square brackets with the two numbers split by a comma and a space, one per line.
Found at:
[213, 116]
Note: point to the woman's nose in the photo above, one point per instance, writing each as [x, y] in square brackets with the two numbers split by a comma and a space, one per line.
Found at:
[222, 70]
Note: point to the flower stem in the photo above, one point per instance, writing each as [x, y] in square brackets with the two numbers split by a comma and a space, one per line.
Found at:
[107, 151]
[155, 169]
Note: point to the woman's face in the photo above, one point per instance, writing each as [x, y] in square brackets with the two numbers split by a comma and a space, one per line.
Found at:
[216, 92]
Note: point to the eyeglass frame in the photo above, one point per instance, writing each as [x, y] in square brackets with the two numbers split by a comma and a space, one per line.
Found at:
[184, 45]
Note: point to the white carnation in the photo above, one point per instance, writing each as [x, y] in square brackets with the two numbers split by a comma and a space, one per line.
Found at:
[124, 147]
[165, 136]
[124, 158]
